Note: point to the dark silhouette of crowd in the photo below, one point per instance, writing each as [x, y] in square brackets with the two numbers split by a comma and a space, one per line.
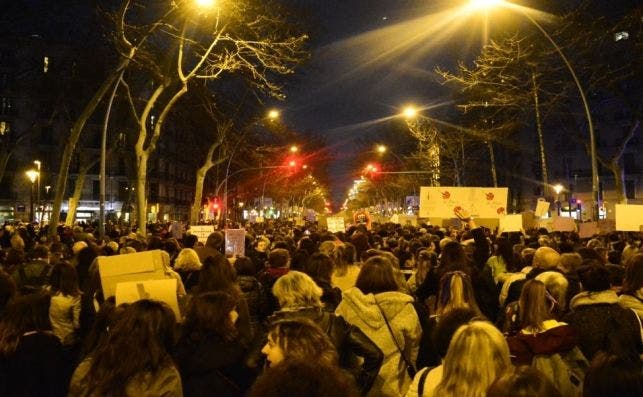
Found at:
[387, 311]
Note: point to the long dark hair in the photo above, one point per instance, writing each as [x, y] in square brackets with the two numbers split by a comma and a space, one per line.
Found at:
[64, 280]
[137, 344]
[504, 249]
[209, 315]
[23, 314]
[217, 275]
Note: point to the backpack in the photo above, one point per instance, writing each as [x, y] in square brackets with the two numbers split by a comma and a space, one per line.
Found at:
[566, 370]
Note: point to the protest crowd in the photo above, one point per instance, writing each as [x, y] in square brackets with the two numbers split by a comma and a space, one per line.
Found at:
[383, 310]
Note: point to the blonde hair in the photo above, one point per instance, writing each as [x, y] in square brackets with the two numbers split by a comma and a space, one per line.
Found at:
[546, 258]
[302, 339]
[556, 285]
[533, 306]
[456, 292]
[297, 289]
[477, 355]
[187, 260]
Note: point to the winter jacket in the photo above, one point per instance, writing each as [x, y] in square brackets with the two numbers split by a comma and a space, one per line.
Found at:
[268, 278]
[351, 343]
[165, 383]
[255, 295]
[64, 314]
[347, 280]
[212, 367]
[365, 312]
[633, 302]
[37, 368]
[557, 337]
[431, 381]
[601, 324]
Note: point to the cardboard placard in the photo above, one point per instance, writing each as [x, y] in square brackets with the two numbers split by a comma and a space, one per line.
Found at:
[629, 218]
[160, 290]
[528, 220]
[542, 208]
[511, 223]
[563, 224]
[547, 224]
[202, 232]
[587, 229]
[335, 224]
[235, 242]
[407, 220]
[606, 225]
[479, 202]
[139, 266]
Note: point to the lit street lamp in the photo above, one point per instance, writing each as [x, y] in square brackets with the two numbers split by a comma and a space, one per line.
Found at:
[273, 114]
[558, 188]
[32, 175]
[38, 163]
[294, 149]
[486, 4]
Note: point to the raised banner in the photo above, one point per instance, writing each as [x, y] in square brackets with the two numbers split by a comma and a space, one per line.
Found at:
[235, 242]
[478, 202]
[139, 266]
[510, 223]
[629, 218]
[335, 224]
[563, 224]
[160, 290]
[542, 207]
[201, 231]
[587, 229]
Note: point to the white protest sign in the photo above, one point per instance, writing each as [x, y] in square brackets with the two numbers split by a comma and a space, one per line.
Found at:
[629, 218]
[160, 290]
[202, 232]
[510, 223]
[407, 220]
[587, 229]
[542, 207]
[139, 266]
[235, 242]
[335, 224]
[564, 224]
[479, 202]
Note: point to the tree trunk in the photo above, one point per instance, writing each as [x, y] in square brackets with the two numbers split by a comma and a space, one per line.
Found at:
[198, 194]
[4, 160]
[619, 182]
[141, 199]
[75, 198]
[539, 131]
[492, 159]
[70, 145]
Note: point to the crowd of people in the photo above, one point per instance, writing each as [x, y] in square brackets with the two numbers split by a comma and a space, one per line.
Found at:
[387, 310]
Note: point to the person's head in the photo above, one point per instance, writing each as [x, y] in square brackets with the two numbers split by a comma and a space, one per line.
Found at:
[8, 290]
[570, 262]
[212, 314]
[23, 314]
[546, 258]
[633, 280]
[320, 267]
[453, 256]
[376, 275]
[187, 261]
[426, 260]
[613, 375]
[504, 248]
[279, 258]
[479, 353]
[534, 308]
[64, 279]
[556, 285]
[594, 278]
[244, 266]
[448, 324]
[190, 240]
[216, 275]
[138, 343]
[215, 240]
[41, 252]
[297, 289]
[299, 339]
[304, 378]
[105, 319]
[262, 244]
[456, 292]
[527, 256]
[523, 381]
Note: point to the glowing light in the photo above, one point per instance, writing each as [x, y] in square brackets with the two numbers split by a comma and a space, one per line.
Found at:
[205, 3]
[273, 114]
[32, 175]
[381, 148]
[484, 4]
[558, 188]
[410, 112]
[292, 163]
[294, 149]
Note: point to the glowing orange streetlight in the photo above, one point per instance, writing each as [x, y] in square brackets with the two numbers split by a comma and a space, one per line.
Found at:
[273, 114]
[410, 112]
[294, 149]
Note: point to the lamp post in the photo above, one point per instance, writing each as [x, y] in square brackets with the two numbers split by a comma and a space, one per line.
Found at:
[32, 175]
[38, 163]
[486, 4]
[558, 188]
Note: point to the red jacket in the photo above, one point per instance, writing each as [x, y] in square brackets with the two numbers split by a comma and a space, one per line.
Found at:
[525, 346]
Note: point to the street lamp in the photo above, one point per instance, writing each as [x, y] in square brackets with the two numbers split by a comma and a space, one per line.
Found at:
[381, 149]
[273, 114]
[486, 4]
[32, 175]
[410, 112]
[294, 149]
[38, 163]
[558, 188]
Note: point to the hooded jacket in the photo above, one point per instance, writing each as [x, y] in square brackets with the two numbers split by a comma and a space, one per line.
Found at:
[601, 324]
[365, 312]
[633, 302]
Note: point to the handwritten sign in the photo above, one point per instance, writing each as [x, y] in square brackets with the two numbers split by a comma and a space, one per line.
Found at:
[542, 207]
[235, 242]
[511, 223]
[564, 224]
[160, 290]
[479, 202]
[335, 224]
[139, 266]
[202, 232]
[629, 218]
